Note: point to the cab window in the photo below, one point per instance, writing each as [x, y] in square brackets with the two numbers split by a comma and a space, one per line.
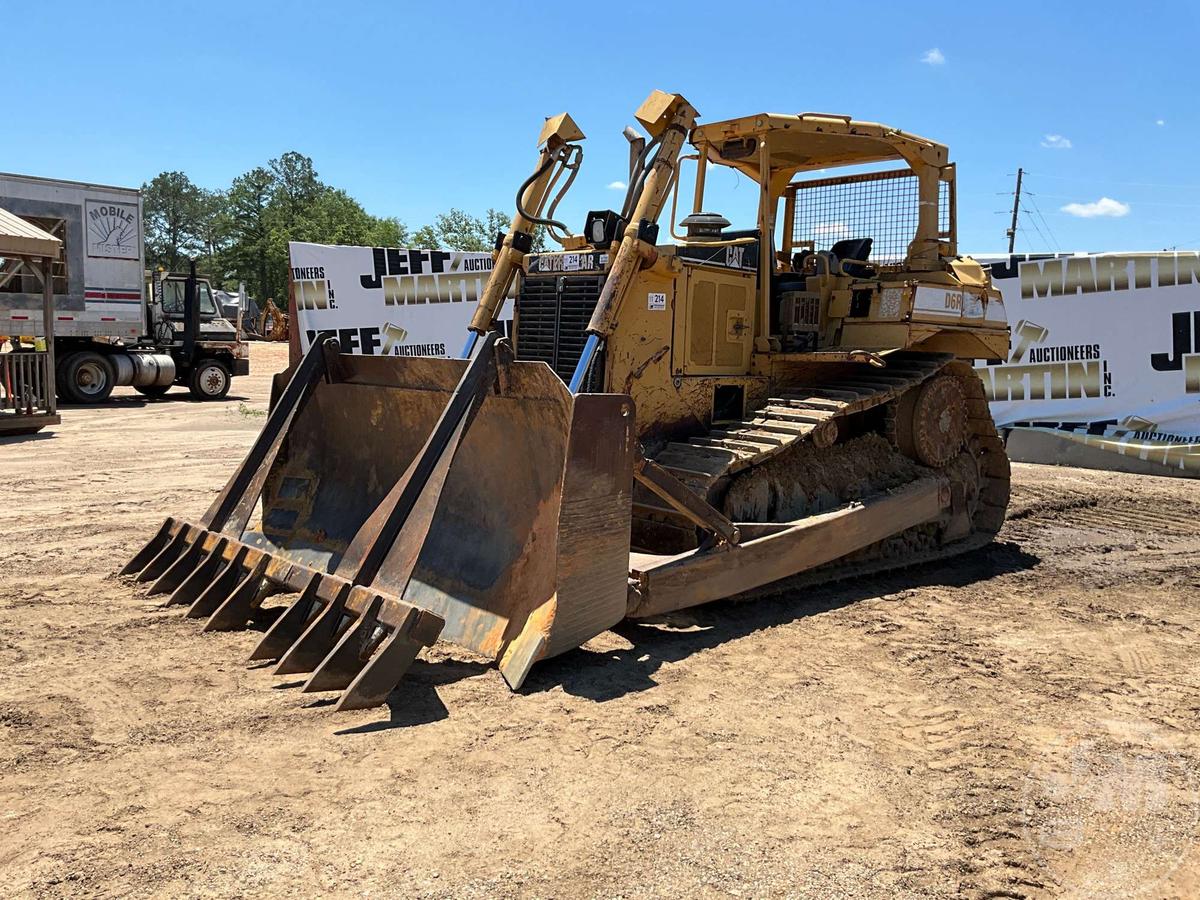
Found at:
[208, 306]
[173, 298]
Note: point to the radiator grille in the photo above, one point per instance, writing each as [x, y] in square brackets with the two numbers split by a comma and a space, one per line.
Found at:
[552, 317]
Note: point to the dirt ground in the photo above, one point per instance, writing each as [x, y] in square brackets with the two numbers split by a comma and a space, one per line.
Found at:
[1018, 722]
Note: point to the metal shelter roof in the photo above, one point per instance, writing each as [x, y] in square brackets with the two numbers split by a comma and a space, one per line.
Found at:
[20, 238]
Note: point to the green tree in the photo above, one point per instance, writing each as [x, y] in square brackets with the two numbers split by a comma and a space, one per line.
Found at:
[330, 216]
[459, 230]
[243, 232]
[497, 221]
[296, 185]
[215, 229]
[248, 204]
[174, 212]
[426, 237]
[285, 201]
[462, 231]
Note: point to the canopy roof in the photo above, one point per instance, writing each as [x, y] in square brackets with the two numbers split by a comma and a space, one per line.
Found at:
[797, 143]
[20, 238]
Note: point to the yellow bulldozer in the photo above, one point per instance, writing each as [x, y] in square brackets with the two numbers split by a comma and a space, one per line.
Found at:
[668, 423]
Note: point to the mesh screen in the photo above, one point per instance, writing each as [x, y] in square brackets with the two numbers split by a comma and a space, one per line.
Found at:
[878, 205]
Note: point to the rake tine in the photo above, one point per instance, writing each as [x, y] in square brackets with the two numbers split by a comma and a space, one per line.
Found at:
[352, 652]
[212, 596]
[289, 626]
[164, 557]
[381, 675]
[235, 612]
[181, 568]
[320, 636]
[193, 586]
[150, 550]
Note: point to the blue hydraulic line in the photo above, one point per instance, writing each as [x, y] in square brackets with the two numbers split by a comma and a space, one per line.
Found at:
[584, 361]
[469, 348]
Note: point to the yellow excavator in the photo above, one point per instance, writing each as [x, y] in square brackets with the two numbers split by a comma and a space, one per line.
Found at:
[670, 421]
[272, 323]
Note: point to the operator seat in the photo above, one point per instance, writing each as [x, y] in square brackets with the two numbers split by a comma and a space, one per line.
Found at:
[853, 249]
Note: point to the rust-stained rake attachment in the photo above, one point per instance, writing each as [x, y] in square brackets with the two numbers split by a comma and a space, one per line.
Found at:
[516, 547]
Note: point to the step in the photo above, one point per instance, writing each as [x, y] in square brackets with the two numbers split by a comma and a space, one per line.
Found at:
[751, 435]
[809, 403]
[753, 448]
[792, 414]
[806, 393]
[712, 460]
[779, 425]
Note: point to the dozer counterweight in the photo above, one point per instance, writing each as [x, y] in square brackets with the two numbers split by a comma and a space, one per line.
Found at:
[669, 423]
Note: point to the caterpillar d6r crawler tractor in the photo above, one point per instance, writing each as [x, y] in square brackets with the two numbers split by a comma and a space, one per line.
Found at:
[669, 423]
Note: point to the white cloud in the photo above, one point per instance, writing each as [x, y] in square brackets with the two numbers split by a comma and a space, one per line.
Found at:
[617, 185]
[1105, 206]
[933, 57]
[833, 231]
[1056, 142]
[1159, 122]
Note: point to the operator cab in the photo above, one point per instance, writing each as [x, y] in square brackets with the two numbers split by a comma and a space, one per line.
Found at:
[173, 304]
[168, 289]
[838, 269]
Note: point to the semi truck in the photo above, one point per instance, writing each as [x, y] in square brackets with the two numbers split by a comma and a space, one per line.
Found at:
[115, 323]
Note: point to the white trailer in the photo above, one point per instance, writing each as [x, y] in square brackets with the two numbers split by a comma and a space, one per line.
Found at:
[108, 328]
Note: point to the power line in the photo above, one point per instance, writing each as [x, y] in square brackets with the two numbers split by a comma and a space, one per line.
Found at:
[1032, 221]
[1037, 209]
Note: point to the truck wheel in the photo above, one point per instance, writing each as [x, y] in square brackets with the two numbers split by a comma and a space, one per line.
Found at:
[60, 381]
[87, 378]
[209, 380]
[153, 391]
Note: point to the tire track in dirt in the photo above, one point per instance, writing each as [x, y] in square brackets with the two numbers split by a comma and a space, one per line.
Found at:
[910, 734]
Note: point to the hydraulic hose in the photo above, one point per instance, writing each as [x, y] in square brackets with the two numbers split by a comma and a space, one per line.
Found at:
[570, 156]
[637, 178]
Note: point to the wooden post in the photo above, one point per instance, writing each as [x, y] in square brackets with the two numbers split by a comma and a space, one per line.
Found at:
[50, 386]
[294, 351]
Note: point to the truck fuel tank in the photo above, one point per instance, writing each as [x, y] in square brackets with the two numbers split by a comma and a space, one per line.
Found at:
[143, 369]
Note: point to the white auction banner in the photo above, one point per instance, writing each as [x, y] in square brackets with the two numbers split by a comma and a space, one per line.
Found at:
[1105, 347]
[1105, 351]
[384, 301]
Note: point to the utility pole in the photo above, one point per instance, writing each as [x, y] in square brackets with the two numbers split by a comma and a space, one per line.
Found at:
[1012, 231]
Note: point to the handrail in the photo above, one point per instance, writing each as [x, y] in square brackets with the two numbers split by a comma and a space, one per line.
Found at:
[25, 382]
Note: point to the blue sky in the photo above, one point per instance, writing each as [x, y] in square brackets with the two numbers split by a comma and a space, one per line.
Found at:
[415, 109]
